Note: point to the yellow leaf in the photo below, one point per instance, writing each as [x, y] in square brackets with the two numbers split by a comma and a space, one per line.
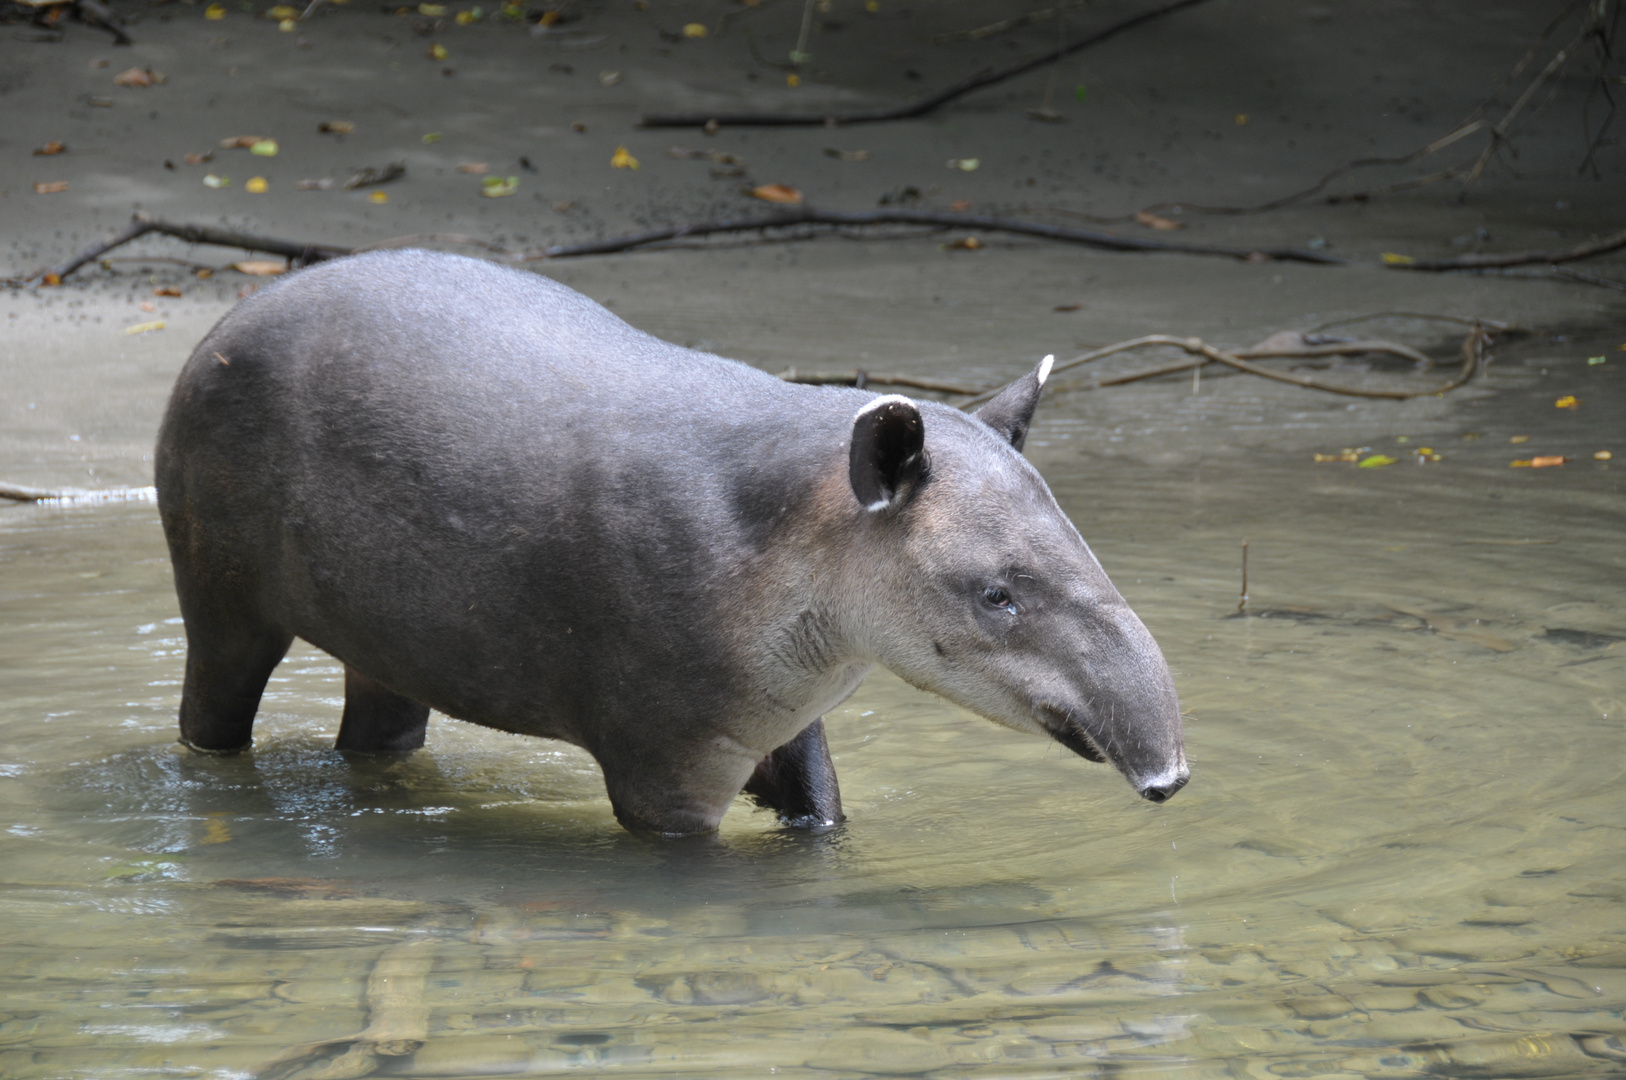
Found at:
[264, 148]
[432, 10]
[1391, 259]
[1375, 461]
[432, 137]
[1568, 401]
[288, 26]
[622, 159]
[694, 30]
[437, 51]
[282, 11]
[1602, 455]
[872, 6]
[256, 186]
[1241, 119]
[495, 187]
[1524, 464]
[777, 193]
[466, 17]
[1519, 439]
[214, 12]
[793, 80]
[1153, 221]
[144, 327]
[379, 197]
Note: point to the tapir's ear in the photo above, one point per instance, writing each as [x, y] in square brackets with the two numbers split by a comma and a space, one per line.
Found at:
[888, 451]
[1010, 412]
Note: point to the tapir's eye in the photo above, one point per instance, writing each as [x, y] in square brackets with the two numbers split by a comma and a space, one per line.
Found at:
[999, 598]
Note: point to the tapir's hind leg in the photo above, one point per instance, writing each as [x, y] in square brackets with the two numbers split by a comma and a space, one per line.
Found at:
[376, 718]
[799, 781]
[226, 670]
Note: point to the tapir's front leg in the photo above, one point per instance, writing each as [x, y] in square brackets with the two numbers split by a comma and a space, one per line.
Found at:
[799, 781]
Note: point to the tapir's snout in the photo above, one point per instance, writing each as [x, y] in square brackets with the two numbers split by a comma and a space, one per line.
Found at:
[1161, 788]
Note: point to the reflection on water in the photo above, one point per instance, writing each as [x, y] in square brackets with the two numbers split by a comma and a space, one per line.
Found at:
[1401, 853]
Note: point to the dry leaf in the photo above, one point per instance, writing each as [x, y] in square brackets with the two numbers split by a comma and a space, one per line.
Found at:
[437, 51]
[1067, 307]
[282, 11]
[1519, 439]
[478, 168]
[969, 243]
[200, 159]
[147, 305]
[241, 142]
[694, 30]
[777, 193]
[314, 185]
[1602, 455]
[1153, 221]
[609, 78]
[1547, 462]
[846, 155]
[336, 127]
[144, 327]
[260, 267]
[166, 290]
[969, 164]
[960, 206]
[51, 148]
[139, 77]
[50, 187]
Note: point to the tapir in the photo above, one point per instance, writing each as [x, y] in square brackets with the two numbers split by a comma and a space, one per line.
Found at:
[485, 494]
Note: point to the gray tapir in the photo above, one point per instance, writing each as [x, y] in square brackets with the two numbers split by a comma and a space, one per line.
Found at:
[487, 495]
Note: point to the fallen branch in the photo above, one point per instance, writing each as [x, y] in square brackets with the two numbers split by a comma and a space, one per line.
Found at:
[23, 493]
[861, 379]
[1602, 246]
[985, 77]
[1275, 346]
[941, 219]
[140, 225]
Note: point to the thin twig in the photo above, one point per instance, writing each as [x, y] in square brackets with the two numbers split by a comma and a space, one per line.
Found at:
[976, 81]
[1602, 246]
[1590, 279]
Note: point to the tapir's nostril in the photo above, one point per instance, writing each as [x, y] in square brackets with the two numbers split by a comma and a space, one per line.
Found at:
[1164, 792]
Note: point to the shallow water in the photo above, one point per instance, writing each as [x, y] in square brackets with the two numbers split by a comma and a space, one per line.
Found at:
[1403, 851]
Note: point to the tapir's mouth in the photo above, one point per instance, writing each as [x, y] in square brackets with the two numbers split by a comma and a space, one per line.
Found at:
[1070, 733]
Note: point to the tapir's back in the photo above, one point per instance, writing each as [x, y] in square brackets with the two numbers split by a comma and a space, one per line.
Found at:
[406, 453]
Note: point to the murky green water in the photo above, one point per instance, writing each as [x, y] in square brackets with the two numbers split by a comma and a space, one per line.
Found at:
[1403, 851]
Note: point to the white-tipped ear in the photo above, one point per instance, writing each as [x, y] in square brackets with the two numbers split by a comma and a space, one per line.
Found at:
[887, 451]
[1044, 367]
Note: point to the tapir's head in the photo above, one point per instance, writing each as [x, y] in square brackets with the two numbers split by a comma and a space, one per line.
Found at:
[981, 590]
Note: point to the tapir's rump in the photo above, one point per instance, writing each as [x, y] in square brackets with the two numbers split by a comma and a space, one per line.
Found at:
[487, 495]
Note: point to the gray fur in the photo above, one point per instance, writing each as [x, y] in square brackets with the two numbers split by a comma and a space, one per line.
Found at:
[486, 494]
